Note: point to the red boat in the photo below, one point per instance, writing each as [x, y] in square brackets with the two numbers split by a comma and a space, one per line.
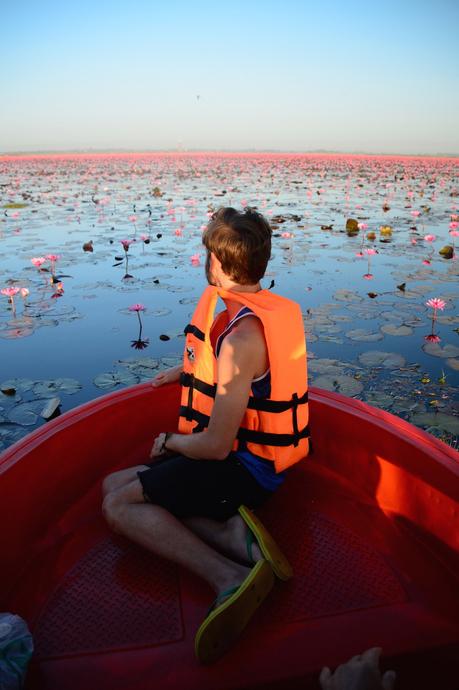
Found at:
[369, 521]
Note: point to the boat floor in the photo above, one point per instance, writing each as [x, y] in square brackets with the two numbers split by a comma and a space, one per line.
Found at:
[105, 612]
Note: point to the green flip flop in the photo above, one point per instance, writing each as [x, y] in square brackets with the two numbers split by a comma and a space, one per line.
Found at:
[226, 621]
[268, 547]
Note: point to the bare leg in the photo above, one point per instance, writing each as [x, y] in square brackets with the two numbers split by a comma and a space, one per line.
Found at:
[159, 531]
[121, 478]
[227, 537]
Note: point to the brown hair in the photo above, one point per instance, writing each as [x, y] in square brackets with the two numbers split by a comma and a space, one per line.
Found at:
[241, 242]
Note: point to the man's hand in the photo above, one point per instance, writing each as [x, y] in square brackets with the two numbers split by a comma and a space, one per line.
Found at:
[167, 376]
[359, 673]
[157, 450]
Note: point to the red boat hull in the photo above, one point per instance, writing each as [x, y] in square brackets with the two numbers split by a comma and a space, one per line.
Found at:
[369, 522]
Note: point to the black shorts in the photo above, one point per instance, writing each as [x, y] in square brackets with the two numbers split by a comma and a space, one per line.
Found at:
[204, 488]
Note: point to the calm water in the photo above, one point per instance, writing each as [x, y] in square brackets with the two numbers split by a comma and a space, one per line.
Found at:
[365, 316]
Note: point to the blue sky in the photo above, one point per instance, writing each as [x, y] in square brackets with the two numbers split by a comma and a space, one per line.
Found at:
[286, 75]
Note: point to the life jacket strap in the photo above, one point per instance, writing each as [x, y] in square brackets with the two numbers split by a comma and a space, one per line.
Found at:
[189, 407]
[260, 404]
[259, 437]
[191, 328]
[295, 418]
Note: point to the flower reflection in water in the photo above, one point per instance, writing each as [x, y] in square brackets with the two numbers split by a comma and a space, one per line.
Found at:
[139, 344]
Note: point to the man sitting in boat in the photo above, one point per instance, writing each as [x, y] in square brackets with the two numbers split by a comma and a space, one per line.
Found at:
[243, 422]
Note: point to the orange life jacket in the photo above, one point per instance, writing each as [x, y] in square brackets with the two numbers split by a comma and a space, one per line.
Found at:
[274, 428]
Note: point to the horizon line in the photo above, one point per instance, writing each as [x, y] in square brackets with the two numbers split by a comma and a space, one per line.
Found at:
[81, 151]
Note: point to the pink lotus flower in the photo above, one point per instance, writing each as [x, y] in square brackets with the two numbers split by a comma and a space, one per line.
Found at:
[126, 244]
[368, 276]
[359, 254]
[453, 225]
[426, 262]
[132, 219]
[52, 257]
[137, 307]
[10, 292]
[436, 303]
[370, 251]
[430, 238]
[413, 241]
[24, 292]
[144, 237]
[287, 235]
[178, 232]
[415, 214]
[195, 259]
[38, 261]
[362, 226]
[454, 233]
[432, 338]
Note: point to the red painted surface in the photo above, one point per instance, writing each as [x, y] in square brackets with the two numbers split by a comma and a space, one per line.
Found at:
[369, 522]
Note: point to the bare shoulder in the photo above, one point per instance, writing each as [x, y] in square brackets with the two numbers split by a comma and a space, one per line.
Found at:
[247, 340]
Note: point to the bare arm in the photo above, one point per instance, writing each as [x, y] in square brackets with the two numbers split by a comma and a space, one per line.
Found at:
[167, 376]
[238, 361]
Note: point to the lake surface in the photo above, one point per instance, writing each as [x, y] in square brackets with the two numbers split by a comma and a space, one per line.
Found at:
[369, 332]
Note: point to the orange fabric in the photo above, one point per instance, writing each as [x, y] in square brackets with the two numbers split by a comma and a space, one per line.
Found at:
[283, 326]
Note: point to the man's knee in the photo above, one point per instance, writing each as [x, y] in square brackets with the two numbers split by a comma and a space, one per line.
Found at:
[113, 510]
[109, 484]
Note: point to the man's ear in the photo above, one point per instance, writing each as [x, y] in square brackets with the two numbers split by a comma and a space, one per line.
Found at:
[215, 264]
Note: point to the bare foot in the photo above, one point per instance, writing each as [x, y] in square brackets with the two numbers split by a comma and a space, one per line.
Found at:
[233, 579]
[235, 538]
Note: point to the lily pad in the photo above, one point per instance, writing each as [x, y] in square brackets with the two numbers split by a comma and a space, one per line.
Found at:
[363, 335]
[441, 420]
[110, 380]
[325, 366]
[392, 329]
[145, 362]
[376, 358]
[436, 350]
[49, 388]
[26, 413]
[379, 399]
[344, 295]
[17, 384]
[443, 318]
[50, 408]
[171, 361]
[160, 312]
[453, 363]
[339, 383]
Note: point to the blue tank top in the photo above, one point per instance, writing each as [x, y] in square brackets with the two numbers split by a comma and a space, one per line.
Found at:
[260, 468]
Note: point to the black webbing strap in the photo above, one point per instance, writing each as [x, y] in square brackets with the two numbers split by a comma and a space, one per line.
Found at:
[202, 419]
[191, 328]
[200, 385]
[260, 404]
[265, 439]
[295, 418]
[260, 437]
[189, 407]
[263, 405]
